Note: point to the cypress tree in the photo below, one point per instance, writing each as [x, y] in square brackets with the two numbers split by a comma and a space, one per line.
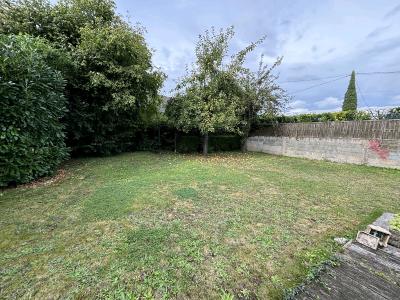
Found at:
[350, 98]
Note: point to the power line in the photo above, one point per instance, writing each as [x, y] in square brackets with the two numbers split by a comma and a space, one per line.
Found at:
[362, 95]
[344, 76]
[330, 77]
[313, 79]
[375, 73]
[316, 85]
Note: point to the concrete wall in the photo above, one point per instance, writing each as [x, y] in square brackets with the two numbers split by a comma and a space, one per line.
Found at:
[372, 152]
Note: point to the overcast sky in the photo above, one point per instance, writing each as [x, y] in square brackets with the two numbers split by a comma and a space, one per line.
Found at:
[317, 39]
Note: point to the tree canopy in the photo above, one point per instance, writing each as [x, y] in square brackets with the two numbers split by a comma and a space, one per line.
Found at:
[220, 93]
[112, 86]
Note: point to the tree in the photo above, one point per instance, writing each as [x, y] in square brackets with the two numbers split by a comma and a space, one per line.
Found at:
[262, 95]
[116, 90]
[31, 90]
[350, 98]
[219, 93]
[112, 85]
[207, 97]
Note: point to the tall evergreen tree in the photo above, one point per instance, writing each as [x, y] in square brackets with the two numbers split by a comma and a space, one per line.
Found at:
[350, 98]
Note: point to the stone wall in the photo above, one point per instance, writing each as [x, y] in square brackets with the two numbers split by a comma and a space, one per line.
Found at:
[346, 149]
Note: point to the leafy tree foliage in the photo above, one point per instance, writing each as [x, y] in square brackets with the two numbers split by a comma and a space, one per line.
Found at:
[32, 104]
[350, 115]
[220, 93]
[112, 86]
[115, 90]
[393, 113]
[350, 98]
[262, 95]
[59, 23]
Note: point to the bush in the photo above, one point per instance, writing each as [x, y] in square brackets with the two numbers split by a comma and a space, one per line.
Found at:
[224, 143]
[162, 137]
[32, 138]
[216, 143]
[322, 117]
[189, 143]
[112, 86]
[394, 113]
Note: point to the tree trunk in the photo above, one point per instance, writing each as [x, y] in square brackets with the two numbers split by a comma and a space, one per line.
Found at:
[175, 137]
[205, 144]
[243, 142]
[159, 136]
[244, 136]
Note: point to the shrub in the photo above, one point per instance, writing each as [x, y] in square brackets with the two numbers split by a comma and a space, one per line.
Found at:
[32, 138]
[112, 85]
[216, 143]
[224, 143]
[394, 113]
[322, 117]
[188, 143]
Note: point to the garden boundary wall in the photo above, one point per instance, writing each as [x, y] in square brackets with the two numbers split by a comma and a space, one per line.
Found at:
[372, 142]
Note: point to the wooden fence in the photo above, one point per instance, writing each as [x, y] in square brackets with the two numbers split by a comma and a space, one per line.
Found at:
[371, 129]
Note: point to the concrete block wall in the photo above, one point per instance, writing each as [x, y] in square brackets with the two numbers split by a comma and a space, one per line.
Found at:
[385, 153]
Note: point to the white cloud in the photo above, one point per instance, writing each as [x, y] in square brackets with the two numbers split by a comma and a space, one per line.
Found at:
[297, 111]
[328, 102]
[396, 98]
[297, 104]
[376, 108]
[293, 29]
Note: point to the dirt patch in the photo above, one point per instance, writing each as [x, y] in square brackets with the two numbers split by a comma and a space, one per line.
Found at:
[45, 181]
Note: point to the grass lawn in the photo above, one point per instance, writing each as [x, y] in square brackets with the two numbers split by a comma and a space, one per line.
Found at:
[183, 226]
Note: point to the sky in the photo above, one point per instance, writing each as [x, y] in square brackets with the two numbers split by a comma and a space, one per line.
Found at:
[317, 39]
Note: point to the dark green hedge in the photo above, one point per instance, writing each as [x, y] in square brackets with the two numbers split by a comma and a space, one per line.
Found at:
[32, 104]
[166, 138]
[216, 143]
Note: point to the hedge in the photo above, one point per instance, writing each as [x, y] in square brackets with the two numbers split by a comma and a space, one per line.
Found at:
[322, 117]
[216, 143]
[32, 138]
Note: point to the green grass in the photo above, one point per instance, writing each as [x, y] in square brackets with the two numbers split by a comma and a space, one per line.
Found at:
[157, 226]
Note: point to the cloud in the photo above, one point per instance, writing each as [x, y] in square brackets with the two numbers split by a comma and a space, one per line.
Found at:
[299, 36]
[297, 104]
[397, 97]
[314, 48]
[386, 45]
[324, 105]
[297, 111]
[395, 100]
[328, 102]
[285, 23]
[292, 28]
[298, 67]
[392, 12]
[378, 31]
[331, 50]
